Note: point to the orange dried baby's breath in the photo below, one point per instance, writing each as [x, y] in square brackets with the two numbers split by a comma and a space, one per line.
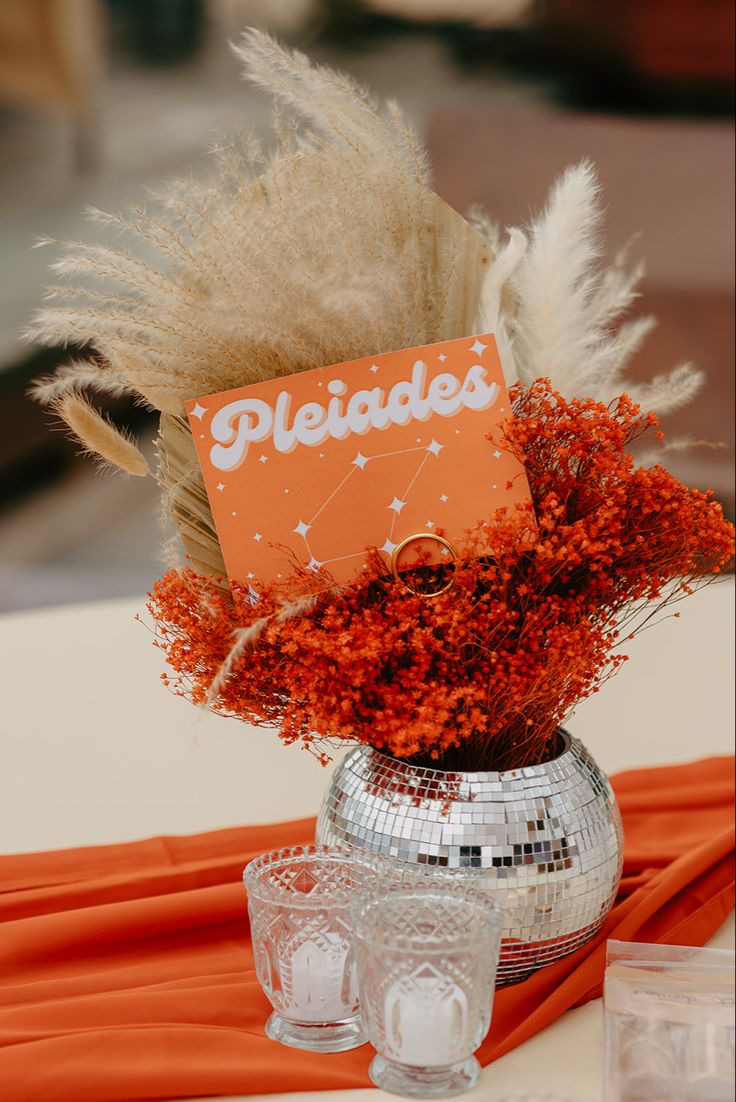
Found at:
[480, 676]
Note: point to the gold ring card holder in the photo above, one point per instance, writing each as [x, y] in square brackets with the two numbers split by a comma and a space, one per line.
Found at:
[413, 539]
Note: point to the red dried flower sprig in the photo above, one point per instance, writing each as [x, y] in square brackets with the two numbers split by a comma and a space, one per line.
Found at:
[480, 676]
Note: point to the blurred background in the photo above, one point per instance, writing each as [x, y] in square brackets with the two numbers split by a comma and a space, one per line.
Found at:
[100, 99]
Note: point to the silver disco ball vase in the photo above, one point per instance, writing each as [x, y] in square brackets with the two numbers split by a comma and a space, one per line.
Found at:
[547, 836]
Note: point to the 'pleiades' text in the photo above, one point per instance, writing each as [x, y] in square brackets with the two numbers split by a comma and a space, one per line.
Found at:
[248, 421]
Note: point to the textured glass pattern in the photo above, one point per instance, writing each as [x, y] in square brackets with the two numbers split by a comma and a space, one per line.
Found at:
[298, 902]
[548, 837]
[427, 958]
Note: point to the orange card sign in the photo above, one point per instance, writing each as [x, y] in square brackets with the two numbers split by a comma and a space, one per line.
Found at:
[322, 465]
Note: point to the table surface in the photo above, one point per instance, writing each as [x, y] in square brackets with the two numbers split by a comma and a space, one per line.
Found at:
[95, 750]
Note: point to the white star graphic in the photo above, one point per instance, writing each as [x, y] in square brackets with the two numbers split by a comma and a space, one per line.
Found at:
[495, 487]
[198, 411]
[258, 537]
[314, 564]
[429, 524]
[397, 505]
[389, 547]
[374, 368]
[360, 461]
[250, 575]
[497, 454]
[442, 357]
[286, 491]
[220, 486]
[443, 498]
[263, 459]
[444, 552]
[233, 514]
[479, 348]
[434, 447]
[302, 528]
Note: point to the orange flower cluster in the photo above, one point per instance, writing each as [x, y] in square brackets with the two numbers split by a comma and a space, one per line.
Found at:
[480, 676]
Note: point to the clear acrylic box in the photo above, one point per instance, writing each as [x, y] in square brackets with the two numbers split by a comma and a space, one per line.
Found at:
[669, 1024]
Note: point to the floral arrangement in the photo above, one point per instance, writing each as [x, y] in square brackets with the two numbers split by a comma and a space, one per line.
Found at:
[481, 675]
[331, 247]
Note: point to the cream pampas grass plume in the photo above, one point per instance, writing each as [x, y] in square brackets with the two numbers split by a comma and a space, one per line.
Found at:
[554, 288]
[331, 247]
[564, 306]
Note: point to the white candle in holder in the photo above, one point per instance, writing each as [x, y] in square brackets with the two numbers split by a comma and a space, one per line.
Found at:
[426, 1019]
[320, 988]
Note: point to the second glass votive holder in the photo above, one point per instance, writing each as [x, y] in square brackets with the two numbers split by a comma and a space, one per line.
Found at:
[299, 906]
[427, 959]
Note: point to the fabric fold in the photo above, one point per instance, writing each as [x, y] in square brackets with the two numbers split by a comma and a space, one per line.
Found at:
[127, 970]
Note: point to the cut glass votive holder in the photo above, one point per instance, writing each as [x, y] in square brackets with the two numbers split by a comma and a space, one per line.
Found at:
[427, 957]
[299, 903]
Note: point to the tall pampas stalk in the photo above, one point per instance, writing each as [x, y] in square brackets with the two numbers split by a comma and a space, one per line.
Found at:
[329, 248]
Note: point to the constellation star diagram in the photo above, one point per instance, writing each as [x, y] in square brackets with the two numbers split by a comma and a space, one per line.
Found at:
[399, 502]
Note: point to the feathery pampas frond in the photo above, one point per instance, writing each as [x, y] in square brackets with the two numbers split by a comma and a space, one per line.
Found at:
[675, 444]
[668, 392]
[496, 303]
[617, 288]
[332, 103]
[72, 376]
[552, 338]
[564, 305]
[330, 248]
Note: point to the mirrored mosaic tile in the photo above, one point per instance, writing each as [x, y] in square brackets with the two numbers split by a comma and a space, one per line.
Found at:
[547, 836]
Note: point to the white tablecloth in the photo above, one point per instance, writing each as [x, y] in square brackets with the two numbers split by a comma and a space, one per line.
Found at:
[94, 750]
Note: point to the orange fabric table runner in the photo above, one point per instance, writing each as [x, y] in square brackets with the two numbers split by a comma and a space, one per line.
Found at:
[126, 971]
